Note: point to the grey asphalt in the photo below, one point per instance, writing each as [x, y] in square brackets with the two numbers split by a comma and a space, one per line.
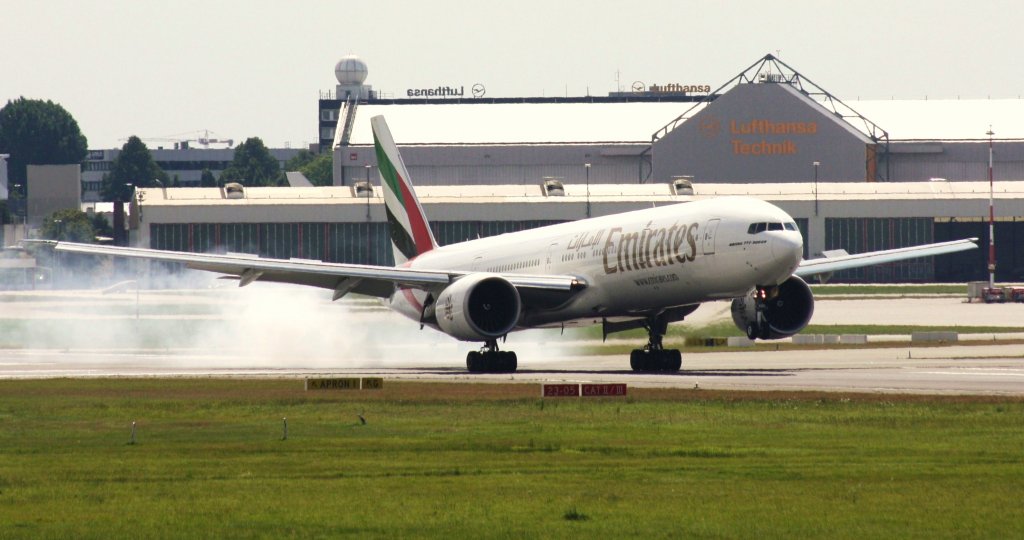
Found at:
[357, 339]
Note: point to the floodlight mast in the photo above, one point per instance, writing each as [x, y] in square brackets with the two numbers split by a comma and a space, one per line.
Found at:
[991, 217]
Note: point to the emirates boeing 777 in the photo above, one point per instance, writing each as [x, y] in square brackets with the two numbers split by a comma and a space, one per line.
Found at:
[640, 269]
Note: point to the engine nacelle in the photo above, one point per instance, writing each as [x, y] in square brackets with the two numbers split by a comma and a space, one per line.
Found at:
[478, 307]
[774, 312]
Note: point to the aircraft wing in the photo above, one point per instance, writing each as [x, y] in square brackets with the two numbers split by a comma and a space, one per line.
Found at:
[379, 281]
[826, 265]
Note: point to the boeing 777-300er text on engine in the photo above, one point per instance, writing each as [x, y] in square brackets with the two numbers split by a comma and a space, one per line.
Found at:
[639, 269]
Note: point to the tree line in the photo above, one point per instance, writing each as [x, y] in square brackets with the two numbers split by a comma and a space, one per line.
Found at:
[37, 132]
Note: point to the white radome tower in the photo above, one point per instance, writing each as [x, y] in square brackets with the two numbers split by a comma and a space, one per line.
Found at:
[351, 73]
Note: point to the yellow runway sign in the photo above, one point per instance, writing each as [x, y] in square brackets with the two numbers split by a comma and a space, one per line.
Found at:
[345, 383]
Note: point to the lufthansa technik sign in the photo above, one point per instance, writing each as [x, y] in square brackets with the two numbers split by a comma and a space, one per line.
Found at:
[765, 137]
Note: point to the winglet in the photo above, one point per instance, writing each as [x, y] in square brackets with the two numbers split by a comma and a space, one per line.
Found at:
[410, 232]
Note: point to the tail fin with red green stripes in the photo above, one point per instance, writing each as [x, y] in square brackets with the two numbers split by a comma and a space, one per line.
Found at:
[410, 232]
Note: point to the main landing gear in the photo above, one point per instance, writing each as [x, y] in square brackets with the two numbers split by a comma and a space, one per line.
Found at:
[491, 360]
[653, 357]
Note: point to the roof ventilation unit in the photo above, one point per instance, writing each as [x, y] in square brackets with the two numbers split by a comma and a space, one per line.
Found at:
[553, 187]
[362, 189]
[234, 190]
[682, 185]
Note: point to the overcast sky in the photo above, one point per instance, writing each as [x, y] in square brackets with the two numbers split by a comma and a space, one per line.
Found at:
[255, 68]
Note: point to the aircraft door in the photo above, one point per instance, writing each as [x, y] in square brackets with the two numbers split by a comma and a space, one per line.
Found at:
[478, 263]
[709, 236]
[549, 259]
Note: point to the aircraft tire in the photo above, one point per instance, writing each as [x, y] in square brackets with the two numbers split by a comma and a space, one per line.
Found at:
[636, 360]
[644, 361]
[508, 363]
[474, 362]
[672, 360]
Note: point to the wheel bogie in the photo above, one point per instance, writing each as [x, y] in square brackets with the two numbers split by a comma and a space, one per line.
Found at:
[655, 360]
[491, 361]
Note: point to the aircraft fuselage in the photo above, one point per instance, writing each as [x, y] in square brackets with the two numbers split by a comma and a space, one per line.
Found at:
[635, 263]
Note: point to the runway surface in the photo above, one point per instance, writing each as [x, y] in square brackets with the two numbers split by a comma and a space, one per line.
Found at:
[289, 334]
[976, 369]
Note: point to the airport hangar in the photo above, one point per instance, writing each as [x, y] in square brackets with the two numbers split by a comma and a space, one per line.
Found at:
[485, 166]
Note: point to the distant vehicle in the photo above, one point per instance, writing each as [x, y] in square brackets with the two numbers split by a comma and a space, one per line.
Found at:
[640, 269]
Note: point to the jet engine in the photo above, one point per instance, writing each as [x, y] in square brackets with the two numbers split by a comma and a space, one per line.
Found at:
[478, 307]
[774, 312]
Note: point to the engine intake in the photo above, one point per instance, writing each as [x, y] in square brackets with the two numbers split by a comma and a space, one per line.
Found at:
[478, 307]
[774, 312]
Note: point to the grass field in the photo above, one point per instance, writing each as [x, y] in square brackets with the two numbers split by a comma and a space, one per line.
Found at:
[496, 461]
[873, 289]
[726, 328]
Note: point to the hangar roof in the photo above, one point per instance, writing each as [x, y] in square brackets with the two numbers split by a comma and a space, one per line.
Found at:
[948, 119]
[525, 193]
[520, 123]
[635, 122]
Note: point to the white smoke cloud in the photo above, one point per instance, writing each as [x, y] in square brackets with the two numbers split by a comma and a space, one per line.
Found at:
[214, 324]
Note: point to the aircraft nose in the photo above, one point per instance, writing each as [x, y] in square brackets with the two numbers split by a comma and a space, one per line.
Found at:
[788, 246]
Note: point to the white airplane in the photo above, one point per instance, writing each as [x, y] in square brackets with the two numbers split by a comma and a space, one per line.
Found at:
[640, 269]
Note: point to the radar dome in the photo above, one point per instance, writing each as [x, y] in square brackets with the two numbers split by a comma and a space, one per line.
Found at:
[350, 71]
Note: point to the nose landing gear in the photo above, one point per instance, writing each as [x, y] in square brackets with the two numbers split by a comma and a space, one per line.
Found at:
[759, 327]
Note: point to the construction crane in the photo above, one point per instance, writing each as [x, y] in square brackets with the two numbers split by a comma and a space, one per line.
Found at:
[183, 142]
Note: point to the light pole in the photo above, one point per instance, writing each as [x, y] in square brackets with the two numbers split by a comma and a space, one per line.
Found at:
[587, 167]
[60, 233]
[23, 208]
[816, 165]
[991, 217]
[369, 192]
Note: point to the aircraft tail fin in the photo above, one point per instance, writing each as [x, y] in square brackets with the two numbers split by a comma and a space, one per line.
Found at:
[410, 232]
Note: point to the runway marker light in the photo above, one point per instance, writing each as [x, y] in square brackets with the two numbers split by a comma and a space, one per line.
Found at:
[285, 437]
[132, 440]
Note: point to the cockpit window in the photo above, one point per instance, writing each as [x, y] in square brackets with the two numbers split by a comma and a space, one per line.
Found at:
[755, 228]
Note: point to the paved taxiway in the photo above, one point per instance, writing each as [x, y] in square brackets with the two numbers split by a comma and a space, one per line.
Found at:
[320, 338]
[965, 369]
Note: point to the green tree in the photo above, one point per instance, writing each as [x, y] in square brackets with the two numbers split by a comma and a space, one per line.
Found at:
[133, 165]
[38, 132]
[207, 179]
[319, 170]
[69, 225]
[253, 165]
[101, 227]
[300, 160]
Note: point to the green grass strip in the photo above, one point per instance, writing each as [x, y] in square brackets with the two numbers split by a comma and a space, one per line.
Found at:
[496, 461]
